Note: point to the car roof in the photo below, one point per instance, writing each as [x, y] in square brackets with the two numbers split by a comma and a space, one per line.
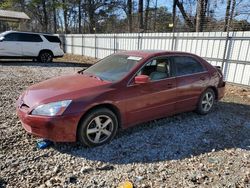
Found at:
[152, 53]
[29, 33]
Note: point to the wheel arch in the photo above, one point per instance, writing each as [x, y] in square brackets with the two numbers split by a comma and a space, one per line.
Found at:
[214, 90]
[46, 50]
[109, 106]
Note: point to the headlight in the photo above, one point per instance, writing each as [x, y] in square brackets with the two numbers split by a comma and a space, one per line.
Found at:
[51, 109]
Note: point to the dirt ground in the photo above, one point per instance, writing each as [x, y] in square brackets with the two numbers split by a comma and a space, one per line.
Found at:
[186, 150]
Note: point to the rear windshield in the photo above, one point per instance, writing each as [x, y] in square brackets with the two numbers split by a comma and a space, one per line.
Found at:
[52, 38]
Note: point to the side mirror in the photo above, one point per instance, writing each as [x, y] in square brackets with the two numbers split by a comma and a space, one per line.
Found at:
[1, 39]
[141, 79]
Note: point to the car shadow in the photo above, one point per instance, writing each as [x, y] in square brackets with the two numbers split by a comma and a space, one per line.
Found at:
[177, 137]
[39, 64]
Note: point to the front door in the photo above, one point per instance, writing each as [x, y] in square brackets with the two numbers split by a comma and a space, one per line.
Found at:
[11, 46]
[154, 99]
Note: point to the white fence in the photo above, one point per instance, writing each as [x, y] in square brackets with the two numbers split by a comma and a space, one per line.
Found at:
[229, 51]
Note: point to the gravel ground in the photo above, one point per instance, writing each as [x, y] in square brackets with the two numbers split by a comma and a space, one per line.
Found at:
[186, 150]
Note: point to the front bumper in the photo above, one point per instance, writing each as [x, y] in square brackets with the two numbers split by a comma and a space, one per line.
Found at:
[58, 129]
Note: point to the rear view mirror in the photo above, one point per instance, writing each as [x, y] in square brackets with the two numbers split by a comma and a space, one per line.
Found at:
[1, 39]
[141, 79]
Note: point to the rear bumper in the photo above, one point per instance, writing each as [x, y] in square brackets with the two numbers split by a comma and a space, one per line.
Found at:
[57, 129]
[221, 90]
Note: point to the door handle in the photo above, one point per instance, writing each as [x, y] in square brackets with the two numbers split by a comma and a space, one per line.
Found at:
[169, 85]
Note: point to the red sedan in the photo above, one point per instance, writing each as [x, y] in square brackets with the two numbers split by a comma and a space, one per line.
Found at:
[121, 90]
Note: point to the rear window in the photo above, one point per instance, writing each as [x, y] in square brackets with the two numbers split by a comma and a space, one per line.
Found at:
[52, 38]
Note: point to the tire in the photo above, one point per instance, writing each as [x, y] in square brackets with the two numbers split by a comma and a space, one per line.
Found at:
[206, 102]
[45, 57]
[97, 128]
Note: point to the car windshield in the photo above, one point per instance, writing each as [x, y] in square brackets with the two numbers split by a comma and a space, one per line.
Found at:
[114, 67]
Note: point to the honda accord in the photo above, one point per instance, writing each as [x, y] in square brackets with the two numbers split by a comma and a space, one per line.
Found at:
[119, 91]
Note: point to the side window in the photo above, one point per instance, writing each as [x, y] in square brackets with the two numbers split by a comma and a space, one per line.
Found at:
[11, 37]
[26, 37]
[157, 69]
[54, 39]
[187, 65]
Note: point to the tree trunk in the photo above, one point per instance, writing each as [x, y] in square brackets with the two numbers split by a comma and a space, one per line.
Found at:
[79, 16]
[91, 14]
[232, 14]
[227, 15]
[54, 16]
[200, 15]
[45, 26]
[155, 14]
[140, 11]
[187, 19]
[174, 15]
[146, 15]
[65, 16]
[129, 4]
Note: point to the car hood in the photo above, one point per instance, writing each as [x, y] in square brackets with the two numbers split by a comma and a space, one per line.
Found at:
[62, 88]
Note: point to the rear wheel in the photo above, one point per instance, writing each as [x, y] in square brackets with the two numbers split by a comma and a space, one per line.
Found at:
[45, 57]
[206, 102]
[98, 127]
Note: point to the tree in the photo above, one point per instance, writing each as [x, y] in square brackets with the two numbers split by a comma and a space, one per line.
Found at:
[65, 15]
[201, 14]
[140, 16]
[79, 16]
[146, 14]
[129, 15]
[186, 17]
[227, 15]
[174, 15]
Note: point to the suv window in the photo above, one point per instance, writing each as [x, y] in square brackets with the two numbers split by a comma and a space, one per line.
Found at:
[187, 65]
[11, 37]
[52, 38]
[27, 37]
[23, 37]
[157, 69]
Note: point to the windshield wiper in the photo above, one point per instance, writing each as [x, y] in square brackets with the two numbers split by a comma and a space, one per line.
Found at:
[90, 75]
[81, 71]
[97, 77]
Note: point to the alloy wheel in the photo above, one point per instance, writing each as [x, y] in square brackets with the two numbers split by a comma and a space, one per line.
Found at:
[207, 101]
[100, 129]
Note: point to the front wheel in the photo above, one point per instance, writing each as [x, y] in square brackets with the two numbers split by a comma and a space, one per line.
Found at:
[206, 102]
[98, 127]
[45, 57]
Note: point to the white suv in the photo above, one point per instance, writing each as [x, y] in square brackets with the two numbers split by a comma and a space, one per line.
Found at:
[43, 47]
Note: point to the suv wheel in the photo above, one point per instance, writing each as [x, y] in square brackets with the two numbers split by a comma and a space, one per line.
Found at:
[206, 102]
[98, 127]
[45, 57]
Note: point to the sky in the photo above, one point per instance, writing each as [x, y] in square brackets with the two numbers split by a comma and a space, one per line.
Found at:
[219, 11]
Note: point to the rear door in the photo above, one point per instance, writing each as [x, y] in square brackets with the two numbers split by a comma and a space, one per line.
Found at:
[191, 80]
[31, 44]
[11, 46]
